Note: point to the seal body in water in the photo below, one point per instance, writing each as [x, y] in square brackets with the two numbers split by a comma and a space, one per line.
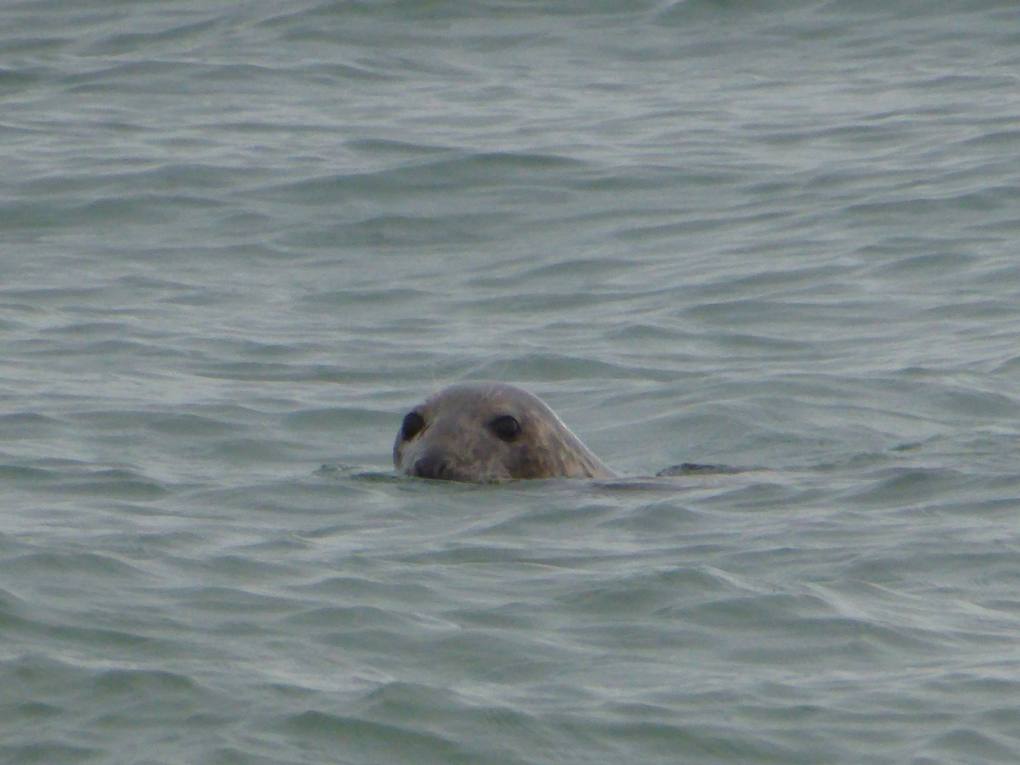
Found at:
[490, 432]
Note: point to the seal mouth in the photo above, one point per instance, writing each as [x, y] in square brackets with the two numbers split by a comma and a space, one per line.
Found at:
[439, 467]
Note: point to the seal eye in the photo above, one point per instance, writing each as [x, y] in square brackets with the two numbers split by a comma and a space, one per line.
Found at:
[506, 428]
[412, 426]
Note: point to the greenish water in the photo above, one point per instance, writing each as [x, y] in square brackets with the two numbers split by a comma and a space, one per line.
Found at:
[239, 242]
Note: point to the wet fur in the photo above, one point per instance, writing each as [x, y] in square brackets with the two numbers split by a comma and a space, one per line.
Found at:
[458, 443]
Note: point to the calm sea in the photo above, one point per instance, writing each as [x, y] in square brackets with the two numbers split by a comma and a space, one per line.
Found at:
[239, 240]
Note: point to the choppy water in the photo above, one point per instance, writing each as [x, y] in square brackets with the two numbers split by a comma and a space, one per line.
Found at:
[239, 240]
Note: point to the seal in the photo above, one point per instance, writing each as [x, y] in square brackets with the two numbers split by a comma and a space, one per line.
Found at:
[487, 433]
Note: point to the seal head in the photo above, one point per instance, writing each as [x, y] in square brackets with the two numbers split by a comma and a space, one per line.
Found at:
[487, 433]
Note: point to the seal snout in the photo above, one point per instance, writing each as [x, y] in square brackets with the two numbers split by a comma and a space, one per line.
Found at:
[432, 464]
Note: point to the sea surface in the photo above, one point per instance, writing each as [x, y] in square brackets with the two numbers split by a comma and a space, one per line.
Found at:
[240, 240]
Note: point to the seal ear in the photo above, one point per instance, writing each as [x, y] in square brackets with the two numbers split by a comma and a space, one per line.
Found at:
[506, 428]
[411, 426]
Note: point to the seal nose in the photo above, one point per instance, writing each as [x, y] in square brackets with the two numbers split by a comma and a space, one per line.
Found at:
[431, 465]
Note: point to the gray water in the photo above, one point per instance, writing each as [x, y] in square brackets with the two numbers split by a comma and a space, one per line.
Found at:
[238, 241]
